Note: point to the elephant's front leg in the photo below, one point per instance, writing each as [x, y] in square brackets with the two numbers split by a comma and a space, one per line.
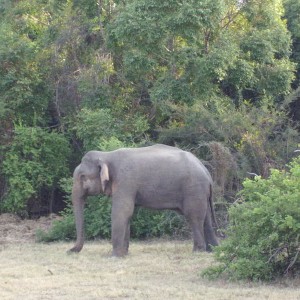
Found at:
[122, 211]
[127, 237]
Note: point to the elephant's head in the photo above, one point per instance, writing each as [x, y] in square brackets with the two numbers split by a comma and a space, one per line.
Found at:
[91, 177]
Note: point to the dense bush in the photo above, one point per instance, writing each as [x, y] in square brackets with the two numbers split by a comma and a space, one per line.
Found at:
[35, 160]
[259, 138]
[99, 129]
[263, 239]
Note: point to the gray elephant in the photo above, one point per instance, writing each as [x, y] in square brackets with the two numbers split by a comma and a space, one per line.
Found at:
[157, 177]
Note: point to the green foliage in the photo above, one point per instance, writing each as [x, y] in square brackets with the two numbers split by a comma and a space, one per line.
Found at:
[292, 13]
[97, 216]
[110, 144]
[23, 90]
[162, 45]
[250, 133]
[91, 126]
[264, 230]
[35, 159]
[61, 230]
[148, 223]
[20, 81]
[99, 128]
[184, 51]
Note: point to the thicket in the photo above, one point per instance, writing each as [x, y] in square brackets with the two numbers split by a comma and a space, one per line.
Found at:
[218, 78]
[263, 235]
[35, 162]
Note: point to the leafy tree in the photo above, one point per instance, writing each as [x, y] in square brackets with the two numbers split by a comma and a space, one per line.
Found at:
[159, 42]
[23, 89]
[292, 10]
[184, 51]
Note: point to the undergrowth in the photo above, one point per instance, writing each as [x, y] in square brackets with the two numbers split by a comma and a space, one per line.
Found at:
[263, 237]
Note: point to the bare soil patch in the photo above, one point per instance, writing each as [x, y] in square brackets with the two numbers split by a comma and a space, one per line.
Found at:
[15, 230]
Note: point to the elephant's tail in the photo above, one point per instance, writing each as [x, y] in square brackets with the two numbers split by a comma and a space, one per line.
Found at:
[213, 215]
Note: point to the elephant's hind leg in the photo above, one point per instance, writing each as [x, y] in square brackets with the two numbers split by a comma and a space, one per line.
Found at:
[195, 211]
[210, 236]
[197, 224]
[198, 235]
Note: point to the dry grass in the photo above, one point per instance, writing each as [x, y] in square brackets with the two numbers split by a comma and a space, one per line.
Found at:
[153, 270]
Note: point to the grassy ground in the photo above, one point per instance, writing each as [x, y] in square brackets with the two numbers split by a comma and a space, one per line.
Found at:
[152, 270]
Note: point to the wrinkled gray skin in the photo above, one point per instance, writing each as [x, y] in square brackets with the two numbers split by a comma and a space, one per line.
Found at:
[158, 177]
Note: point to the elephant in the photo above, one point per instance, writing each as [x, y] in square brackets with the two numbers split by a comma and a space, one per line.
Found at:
[157, 177]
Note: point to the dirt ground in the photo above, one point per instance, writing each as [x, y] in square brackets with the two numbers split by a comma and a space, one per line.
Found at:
[15, 230]
[156, 269]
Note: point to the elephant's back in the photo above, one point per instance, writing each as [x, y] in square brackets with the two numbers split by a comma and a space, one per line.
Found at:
[162, 158]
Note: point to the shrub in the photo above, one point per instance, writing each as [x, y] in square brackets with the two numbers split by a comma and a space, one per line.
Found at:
[147, 223]
[61, 230]
[35, 160]
[264, 230]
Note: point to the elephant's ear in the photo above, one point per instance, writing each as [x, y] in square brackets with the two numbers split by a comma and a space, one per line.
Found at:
[104, 174]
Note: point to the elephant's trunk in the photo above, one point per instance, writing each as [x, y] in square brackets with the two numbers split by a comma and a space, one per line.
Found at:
[78, 200]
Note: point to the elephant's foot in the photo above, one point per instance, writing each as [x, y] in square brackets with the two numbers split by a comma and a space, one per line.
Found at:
[75, 249]
[119, 252]
[209, 248]
[197, 248]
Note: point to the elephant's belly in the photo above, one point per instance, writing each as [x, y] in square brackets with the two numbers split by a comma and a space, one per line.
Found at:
[159, 199]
